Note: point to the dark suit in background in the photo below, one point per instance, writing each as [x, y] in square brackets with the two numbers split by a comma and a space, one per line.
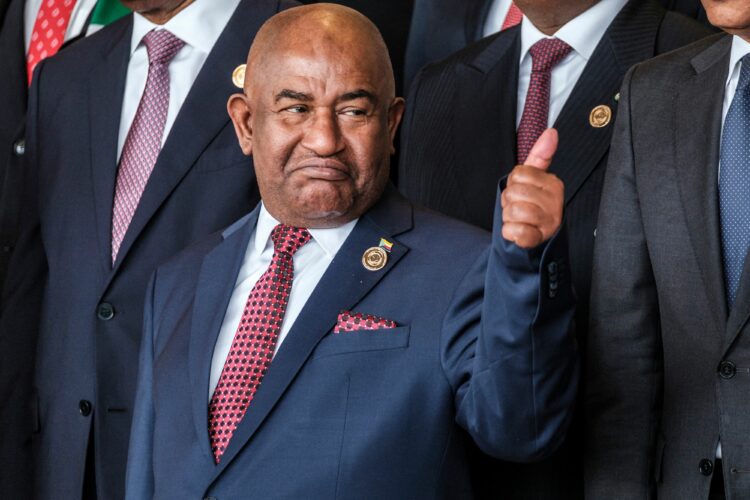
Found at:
[89, 327]
[458, 139]
[392, 19]
[668, 362]
[442, 27]
[13, 95]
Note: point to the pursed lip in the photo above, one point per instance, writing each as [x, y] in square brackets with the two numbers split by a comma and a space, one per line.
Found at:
[325, 169]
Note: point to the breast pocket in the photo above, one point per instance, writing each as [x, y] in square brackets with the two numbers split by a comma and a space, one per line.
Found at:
[363, 341]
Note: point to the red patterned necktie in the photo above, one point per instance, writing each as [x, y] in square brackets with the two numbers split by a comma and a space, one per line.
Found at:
[545, 54]
[513, 17]
[254, 340]
[143, 142]
[48, 33]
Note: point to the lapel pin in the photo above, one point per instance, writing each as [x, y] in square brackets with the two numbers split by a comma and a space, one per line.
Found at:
[617, 97]
[374, 259]
[600, 116]
[238, 76]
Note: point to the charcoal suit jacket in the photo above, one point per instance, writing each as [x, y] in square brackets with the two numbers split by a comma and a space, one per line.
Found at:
[668, 359]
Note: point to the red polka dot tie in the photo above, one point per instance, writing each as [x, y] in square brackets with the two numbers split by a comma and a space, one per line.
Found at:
[143, 141]
[48, 33]
[513, 17]
[254, 340]
[545, 54]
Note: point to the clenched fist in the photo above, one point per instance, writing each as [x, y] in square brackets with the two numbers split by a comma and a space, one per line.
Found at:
[533, 198]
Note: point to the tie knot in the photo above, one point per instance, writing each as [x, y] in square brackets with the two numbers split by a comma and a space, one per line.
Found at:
[288, 239]
[161, 46]
[547, 52]
[744, 80]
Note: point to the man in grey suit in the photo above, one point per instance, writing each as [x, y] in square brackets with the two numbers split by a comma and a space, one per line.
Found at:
[669, 346]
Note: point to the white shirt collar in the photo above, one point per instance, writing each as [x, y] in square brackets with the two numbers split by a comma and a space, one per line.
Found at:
[330, 240]
[198, 25]
[740, 48]
[582, 33]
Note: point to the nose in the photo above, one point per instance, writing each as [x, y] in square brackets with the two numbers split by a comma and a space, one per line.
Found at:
[323, 133]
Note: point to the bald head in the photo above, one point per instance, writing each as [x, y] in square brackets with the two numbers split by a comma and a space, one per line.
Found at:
[317, 28]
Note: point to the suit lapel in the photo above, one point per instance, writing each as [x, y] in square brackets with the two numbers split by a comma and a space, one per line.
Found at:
[342, 286]
[106, 88]
[630, 38]
[213, 292]
[485, 118]
[201, 116]
[699, 101]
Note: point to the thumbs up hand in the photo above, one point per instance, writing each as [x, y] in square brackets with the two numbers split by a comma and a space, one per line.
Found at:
[533, 198]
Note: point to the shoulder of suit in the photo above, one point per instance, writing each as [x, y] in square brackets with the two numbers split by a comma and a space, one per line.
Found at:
[677, 30]
[468, 54]
[668, 66]
[88, 50]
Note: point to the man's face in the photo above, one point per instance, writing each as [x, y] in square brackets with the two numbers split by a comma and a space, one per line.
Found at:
[320, 128]
[732, 16]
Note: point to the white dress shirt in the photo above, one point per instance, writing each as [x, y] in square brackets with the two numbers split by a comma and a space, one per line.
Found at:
[496, 16]
[583, 34]
[81, 12]
[310, 263]
[740, 48]
[199, 26]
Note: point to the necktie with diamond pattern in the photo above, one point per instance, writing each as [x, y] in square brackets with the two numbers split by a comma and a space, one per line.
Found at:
[545, 54]
[48, 33]
[254, 340]
[143, 141]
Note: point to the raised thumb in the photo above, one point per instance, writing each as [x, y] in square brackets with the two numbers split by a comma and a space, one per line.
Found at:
[543, 151]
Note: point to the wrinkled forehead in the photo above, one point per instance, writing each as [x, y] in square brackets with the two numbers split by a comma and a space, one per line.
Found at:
[322, 70]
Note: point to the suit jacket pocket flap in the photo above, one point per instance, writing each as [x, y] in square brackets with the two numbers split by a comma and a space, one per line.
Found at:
[363, 341]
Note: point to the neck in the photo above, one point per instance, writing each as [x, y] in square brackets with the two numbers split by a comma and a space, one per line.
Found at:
[162, 15]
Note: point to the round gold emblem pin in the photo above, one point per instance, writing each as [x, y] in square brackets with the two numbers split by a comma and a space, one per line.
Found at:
[374, 259]
[600, 116]
[238, 76]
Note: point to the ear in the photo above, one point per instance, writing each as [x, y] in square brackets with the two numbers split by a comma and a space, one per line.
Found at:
[239, 110]
[395, 113]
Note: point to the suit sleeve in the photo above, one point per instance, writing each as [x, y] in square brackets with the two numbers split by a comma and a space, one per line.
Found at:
[19, 322]
[139, 481]
[509, 350]
[624, 361]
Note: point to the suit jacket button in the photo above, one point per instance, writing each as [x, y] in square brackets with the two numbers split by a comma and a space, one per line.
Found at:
[19, 147]
[84, 407]
[552, 267]
[727, 370]
[105, 311]
[706, 467]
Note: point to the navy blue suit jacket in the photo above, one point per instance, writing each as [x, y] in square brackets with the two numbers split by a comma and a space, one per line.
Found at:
[90, 320]
[482, 346]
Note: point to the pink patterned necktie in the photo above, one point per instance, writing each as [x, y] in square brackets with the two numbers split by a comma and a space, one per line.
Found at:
[254, 340]
[545, 54]
[143, 142]
[513, 17]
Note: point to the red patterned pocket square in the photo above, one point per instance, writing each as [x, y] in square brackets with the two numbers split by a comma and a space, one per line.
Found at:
[349, 321]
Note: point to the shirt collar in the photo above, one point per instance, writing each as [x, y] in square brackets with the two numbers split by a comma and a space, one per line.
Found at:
[582, 33]
[198, 25]
[330, 240]
[740, 48]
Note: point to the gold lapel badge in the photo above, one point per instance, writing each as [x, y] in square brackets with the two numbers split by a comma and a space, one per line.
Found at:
[600, 116]
[375, 259]
[238, 76]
